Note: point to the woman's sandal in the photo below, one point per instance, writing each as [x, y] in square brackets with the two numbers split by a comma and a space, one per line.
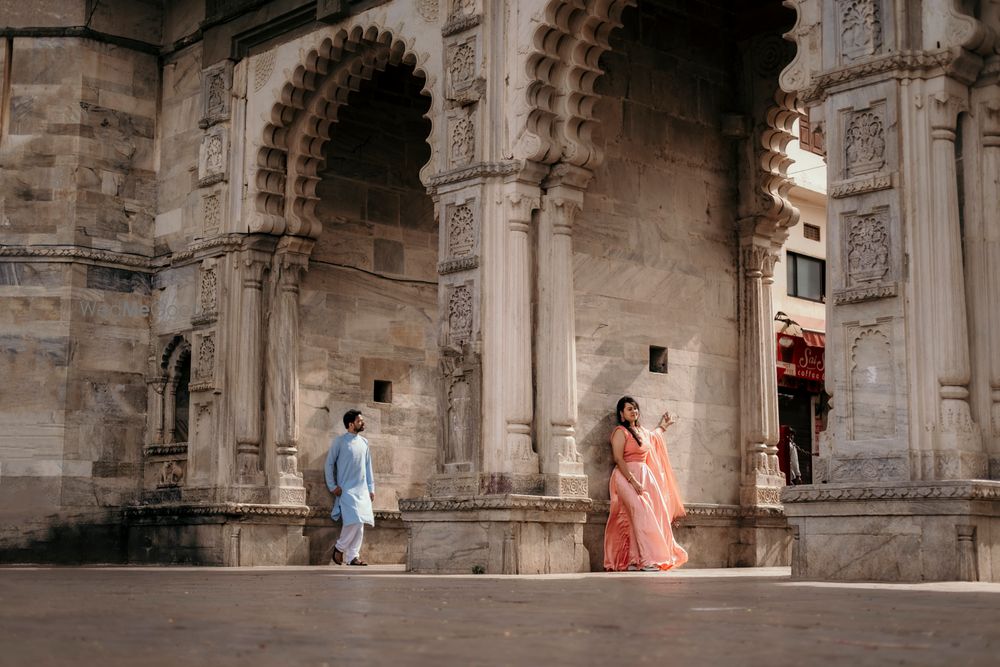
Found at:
[357, 561]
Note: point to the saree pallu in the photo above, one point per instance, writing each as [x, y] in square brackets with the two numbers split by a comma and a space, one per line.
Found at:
[638, 532]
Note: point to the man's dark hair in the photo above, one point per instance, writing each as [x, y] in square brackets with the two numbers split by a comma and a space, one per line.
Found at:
[350, 416]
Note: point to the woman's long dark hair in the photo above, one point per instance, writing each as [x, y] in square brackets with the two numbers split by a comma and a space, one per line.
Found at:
[622, 402]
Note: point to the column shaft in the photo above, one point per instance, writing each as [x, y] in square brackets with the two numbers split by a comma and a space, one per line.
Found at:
[249, 378]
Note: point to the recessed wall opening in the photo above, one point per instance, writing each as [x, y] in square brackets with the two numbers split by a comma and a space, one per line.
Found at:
[383, 391]
[657, 359]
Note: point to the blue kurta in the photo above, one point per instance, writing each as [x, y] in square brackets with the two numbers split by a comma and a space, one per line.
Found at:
[349, 466]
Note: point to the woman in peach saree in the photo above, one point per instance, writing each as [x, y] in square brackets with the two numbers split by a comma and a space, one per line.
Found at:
[644, 497]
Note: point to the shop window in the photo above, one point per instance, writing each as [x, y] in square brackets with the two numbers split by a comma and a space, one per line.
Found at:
[806, 277]
[657, 359]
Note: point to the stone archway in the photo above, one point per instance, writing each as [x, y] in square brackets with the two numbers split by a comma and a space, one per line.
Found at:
[300, 121]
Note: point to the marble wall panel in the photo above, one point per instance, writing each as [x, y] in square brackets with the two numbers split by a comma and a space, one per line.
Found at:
[654, 255]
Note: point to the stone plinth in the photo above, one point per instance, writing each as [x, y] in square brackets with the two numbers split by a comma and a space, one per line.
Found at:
[509, 534]
[904, 531]
[714, 535]
[228, 534]
[384, 543]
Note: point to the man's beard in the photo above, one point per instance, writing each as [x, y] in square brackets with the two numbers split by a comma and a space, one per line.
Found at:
[359, 429]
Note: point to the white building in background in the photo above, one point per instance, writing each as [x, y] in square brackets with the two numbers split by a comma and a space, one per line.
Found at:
[799, 299]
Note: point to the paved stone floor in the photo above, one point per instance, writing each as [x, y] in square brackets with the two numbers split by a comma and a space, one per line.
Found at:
[345, 616]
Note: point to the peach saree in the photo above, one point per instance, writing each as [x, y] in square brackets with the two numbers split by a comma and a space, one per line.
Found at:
[638, 533]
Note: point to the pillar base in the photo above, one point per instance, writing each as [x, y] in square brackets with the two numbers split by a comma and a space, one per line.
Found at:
[506, 534]
[229, 534]
[895, 531]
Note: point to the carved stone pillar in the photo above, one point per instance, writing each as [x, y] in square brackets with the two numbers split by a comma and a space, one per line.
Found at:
[249, 367]
[987, 283]
[904, 492]
[556, 358]
[291, 260]
[155, 390]
[522, 199]
[170, 410]
[957, 443]
[762, 480]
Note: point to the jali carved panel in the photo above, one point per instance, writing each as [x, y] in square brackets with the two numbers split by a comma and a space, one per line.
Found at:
[461, 231]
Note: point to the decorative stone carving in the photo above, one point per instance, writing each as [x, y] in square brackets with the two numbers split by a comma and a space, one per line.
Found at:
[463, 7]
[215, 97]
[860, 186]
[205, 367]
[462, 63]
[461, 231]
[873, 383]
[212, 157]
[171, 474]
[864, 140]
[860, 28]
[860, 294]
[959, 490]
[208, 292]
[211, 212]
[262, 69]
[464, 87]
[573, 487]
[460, 315]
[882, 469]
[868, 246]
[463, 139]
[428, 9]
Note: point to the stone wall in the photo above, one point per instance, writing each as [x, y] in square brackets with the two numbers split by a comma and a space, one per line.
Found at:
[655, 252]
[369, 299]
[76, 184]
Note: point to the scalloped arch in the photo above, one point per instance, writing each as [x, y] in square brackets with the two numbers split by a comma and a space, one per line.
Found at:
[303, 115]
[777, 210]
[563, 68]
[174, 353]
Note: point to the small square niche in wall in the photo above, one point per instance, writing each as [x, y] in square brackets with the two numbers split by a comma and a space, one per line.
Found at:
[657, 359]
[383, 391]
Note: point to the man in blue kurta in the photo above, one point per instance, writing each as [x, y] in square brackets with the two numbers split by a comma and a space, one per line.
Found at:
[349, 478]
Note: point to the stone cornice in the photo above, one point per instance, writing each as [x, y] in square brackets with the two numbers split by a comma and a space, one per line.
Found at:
[859, 186]
[707, 511]
[224, 242]
[943, 490]
[80, 254]
[458, 24]
[478, 170]
[165, 450]
[380, 515]
[905, 64]
[220, 509]
[859, 294]
[508, 502]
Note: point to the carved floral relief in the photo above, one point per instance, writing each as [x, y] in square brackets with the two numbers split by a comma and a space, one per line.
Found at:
[460, 315]
[868, 247]
[860, 28]
[864, 141]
